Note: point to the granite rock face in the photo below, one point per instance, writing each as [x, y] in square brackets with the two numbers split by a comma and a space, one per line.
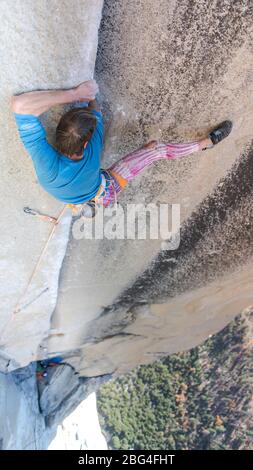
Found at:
[31, 408]
[81, 429]
[22, 425]
[169, 71]
[45, 44]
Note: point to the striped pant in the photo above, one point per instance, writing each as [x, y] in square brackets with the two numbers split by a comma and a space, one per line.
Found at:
[130, 166]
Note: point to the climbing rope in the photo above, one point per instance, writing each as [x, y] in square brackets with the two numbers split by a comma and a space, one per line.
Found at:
[75, 209]
[55, 221]
[18, 307]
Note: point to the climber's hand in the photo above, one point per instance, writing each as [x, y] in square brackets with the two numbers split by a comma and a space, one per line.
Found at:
[86, 91]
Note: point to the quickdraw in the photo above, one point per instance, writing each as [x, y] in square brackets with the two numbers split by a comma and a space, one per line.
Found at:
[46, 218]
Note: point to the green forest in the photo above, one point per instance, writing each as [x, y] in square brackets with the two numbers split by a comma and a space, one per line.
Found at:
[200, 399]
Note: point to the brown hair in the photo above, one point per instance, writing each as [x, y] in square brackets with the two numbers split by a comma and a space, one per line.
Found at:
[74, 130]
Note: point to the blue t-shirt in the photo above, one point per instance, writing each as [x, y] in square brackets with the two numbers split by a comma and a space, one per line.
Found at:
[68, 180]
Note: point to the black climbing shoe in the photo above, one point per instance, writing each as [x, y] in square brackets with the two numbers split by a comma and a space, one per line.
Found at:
[220, 132]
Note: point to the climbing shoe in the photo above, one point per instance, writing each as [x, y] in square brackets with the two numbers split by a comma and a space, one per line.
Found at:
[220, 132]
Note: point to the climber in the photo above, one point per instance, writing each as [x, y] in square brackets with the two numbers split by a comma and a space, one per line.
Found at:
[71, 171]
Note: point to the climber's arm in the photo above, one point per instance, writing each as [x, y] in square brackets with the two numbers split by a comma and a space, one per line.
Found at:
[37, 102]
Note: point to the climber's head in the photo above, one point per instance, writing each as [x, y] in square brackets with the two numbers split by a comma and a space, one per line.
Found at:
[74, 131]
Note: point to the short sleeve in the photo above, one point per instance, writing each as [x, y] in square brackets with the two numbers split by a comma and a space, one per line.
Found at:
[33, 136]
[98, 134]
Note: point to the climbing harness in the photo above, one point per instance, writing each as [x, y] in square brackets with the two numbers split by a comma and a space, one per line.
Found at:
[110, 178]
[89, 209]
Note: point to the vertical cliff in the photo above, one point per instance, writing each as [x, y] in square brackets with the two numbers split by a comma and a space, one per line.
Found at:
[45, 44]
[171, 71]
[167, 70]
